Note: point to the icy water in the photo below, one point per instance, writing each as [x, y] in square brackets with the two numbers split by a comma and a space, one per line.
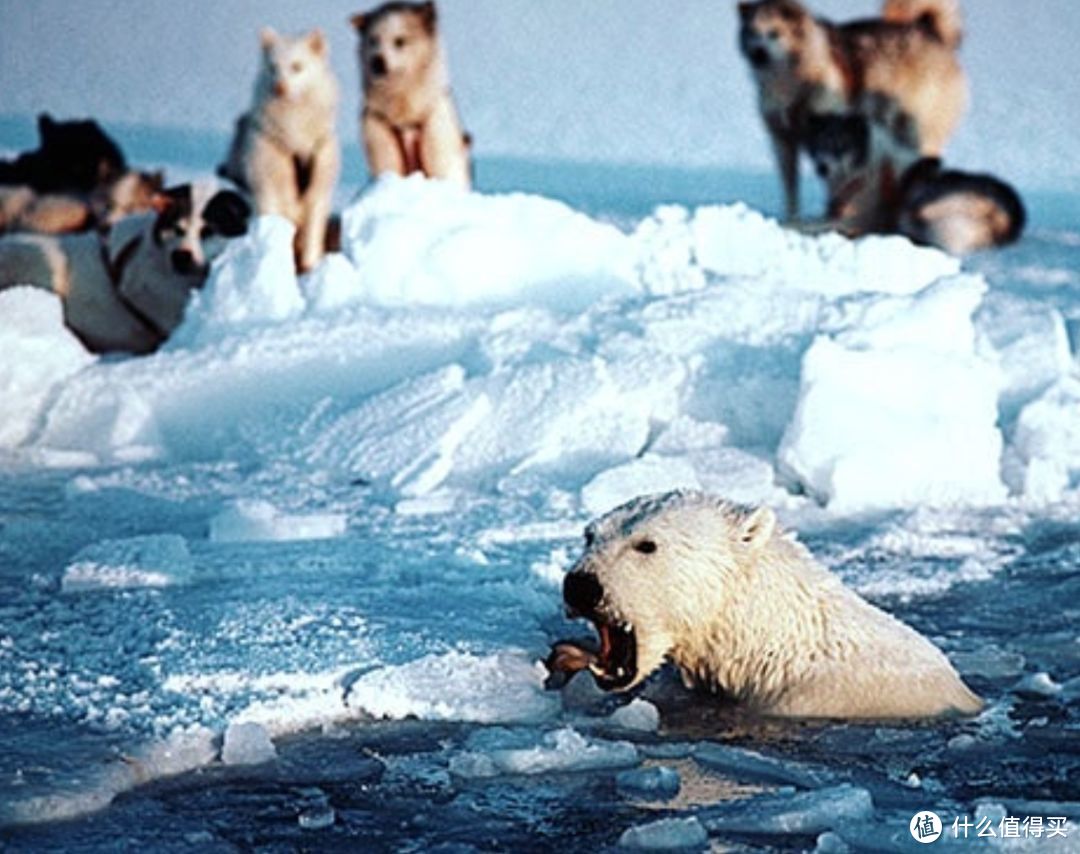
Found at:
[388, 640]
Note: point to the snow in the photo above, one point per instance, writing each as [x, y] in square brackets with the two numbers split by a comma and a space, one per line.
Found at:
[39, 352]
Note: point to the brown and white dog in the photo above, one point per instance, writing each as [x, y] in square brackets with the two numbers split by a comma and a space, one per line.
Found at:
[24, 209]
[805, 66]
[285, 149]
[127, 291]
[409, 122]
[879, 184]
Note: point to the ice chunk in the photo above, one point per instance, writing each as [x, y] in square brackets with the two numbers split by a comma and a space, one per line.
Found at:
[638, 715]
[1036, 686]
[802, 813]
[253, 282]
[1048, 441]
[898, 408]
[426, 242]
[748, 765]
[499, 688]
[658, 781]
[39, 352]
[649, 473]
[252, 519]
[564, 750]
[317, 818]
[152, 561]
[247, 744]
[989, 661]
[667, 834]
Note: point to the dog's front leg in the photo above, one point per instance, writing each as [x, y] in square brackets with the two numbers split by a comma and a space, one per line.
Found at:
[382, 147]
[443, 151]
[786, 147]
[317, 203]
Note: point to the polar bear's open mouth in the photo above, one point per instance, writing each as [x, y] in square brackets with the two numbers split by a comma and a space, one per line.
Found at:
[615, 665]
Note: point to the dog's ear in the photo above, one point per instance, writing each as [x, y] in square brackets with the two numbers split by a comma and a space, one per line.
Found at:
[229, 213]
[317, 41]
[46, 125]
[429, 16]
[161, 202]
[746, 11]
[268, 37]
[791, 10]
[359, 21]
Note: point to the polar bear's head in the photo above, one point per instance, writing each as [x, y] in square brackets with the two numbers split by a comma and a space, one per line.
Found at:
[655, 577]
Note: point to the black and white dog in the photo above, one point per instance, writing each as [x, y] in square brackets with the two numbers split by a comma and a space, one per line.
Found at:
[127, 291]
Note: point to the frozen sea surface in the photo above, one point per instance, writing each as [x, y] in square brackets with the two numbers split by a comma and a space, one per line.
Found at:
[284, 585]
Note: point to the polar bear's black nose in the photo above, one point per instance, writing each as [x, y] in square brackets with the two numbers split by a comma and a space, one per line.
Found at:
[582, 592]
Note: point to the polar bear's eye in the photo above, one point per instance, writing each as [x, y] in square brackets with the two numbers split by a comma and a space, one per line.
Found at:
[646, 547]
[590, 539]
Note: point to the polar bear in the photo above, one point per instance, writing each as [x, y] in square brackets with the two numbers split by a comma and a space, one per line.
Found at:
[743, 609]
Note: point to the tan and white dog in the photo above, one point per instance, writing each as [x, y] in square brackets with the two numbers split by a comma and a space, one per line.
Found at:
[409, 122]
[285, 150]
[806, 66]
[127, 291]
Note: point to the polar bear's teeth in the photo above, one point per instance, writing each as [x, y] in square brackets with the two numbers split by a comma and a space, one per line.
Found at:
[596, 670]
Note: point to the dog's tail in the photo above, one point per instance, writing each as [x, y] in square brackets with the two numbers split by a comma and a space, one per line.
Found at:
[942, 17]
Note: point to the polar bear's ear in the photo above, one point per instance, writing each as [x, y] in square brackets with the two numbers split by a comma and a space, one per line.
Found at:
[757, 528]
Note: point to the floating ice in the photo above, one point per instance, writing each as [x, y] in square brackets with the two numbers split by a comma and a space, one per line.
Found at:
[638, 715]
[456, 686]
[667, 834]
[153, 561]
[1037, 686]
[749, 765]
[658, 781]
[39, 352]
[802, 813]
[564, 750]
[247, 744]
[251, 519]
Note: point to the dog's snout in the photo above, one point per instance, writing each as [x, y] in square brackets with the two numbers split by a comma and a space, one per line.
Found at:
[582, 592]
[378, 66]
[823, 170]
[183, 261]
[759, 57]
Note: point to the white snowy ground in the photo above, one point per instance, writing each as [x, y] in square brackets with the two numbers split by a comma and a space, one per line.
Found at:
[352, 497]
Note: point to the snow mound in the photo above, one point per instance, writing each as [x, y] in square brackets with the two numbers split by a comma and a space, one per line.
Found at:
[39, 352]
[1048, 441]
[426, 242]
[152, 561]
